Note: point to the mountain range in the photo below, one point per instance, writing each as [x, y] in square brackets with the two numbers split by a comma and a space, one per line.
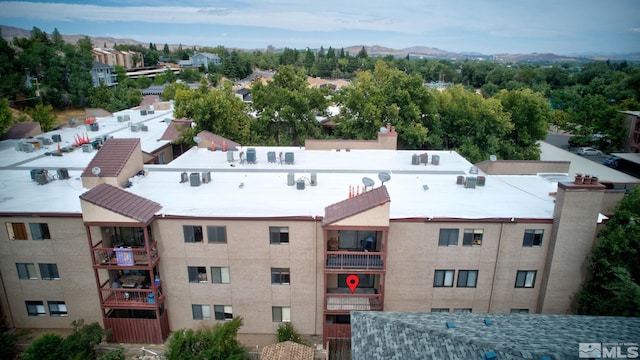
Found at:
[9, 32]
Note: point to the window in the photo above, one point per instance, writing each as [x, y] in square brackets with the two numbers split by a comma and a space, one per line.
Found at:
[201, 312]
[525, 278]
[223, 312]
[532, 238]
[280, 276]
[49, 271]
[217, 234]
[448, 237]
[57, 308]
[281, 313]
[197, 274]
[35, 308]
[467, 278]
[219, 275]
[192, 233]
[17, 231]
[462, 310]
[439, 310]
[472, 237]
[39, 231]
[519, 311]
[278, 235]
[26, 271]
[443, 278]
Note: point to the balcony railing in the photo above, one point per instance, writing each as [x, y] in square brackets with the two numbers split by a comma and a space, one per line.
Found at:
[347, 260]
[125, 256]
[138, 331]
[359, 302]
[337, 331]
[131, 298]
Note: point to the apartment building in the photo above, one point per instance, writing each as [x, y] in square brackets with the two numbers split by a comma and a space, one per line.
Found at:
[280, 234]
[112, 57]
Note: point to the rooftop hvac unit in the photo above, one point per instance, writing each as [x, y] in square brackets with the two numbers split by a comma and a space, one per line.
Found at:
[87, 148]
[94, 126]
[27, 147]
[481, 180]
[415, 159]
[41, 178]
[184, 177]
[63, 173]
[127, 117]
[271, 156]
[206, 177]
[47, 141]
[230, 156]
[143, 112]
[288, 158]
[144, 128]
[473, 170]
[120, 118]
[56, 138]
[470, 182]
[291, 179]
[135, 128]
[424, 158]
[194, 179]
[151, 111]
[435, 159]
[251, 155]
[34, 172]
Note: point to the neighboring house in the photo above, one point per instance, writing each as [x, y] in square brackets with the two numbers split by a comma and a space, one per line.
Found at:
[23, 130]
[201, 59]
[127, 59]
[281, 234]
[244, 94]
[103, 73]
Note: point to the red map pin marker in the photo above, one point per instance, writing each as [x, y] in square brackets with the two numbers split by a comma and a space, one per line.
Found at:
[352, 282]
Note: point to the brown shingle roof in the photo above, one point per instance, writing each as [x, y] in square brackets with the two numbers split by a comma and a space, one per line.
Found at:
[149, 100]
[287, 350]
[22, 130]
[122, 202]
[112, 157]
[217, 139]
[355, 205]
[175, 129]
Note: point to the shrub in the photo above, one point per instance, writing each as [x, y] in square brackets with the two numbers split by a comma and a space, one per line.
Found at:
[46, 347]
[7, 345]
[215, 343]
[286, 332]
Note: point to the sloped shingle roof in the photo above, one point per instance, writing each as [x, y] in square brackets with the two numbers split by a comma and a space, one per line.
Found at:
[355, 205]
[217, 139]
[21, 130]
[122, 202]
[112, 157]
[175, 129]
[287, 350]
[409, 336]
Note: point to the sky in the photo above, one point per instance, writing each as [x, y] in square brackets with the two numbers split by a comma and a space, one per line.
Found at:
[563, 27]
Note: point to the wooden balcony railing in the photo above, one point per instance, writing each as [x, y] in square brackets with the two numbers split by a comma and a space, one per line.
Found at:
[106, 257]
[348, 302]
[337, 331]
[348, 260]
[131, 298]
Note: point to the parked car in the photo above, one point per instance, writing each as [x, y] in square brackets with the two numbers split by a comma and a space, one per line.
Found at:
[588, 151]
[611, 161]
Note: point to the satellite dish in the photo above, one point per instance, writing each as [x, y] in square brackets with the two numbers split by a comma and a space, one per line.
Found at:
[96, 171]
[384, 177]
[383, 130]
[197, 139]
[368, 182]
[493, 158]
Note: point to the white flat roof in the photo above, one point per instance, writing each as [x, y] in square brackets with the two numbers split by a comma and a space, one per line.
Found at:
[239, 189]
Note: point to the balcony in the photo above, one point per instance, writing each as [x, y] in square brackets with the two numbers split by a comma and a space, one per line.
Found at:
[349, 302]
[348, 260]
[134, 298]
[114, 257]
[337, 331]
[138, 330]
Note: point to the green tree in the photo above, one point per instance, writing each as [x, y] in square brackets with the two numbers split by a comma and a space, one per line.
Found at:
[211, 343]
[216, 110]
[169, 92]
[81, 343]
[47, 347]
[287, 108]
[6, 117]
[614, 286]
[7, 344]
[286, 332]
[44, 115]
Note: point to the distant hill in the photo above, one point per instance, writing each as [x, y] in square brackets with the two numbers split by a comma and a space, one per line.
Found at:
[9, 32]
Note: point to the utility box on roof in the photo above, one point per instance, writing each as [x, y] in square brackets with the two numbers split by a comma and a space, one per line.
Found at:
[194, 179]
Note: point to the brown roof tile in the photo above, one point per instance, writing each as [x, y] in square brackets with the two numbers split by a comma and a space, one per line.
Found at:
[22, 130]
[122, 202]
[355, 205]
[287, 350]
[149, 100]
[217, 139]
[112, 157]
[175, 129]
